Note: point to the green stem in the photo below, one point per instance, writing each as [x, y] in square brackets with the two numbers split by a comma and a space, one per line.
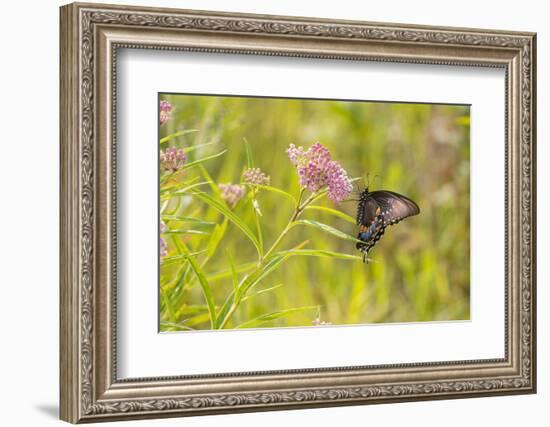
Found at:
[300, 207]
[297, 212]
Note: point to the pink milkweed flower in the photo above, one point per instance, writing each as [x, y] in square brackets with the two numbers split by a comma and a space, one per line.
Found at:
[165, 112]
[317, 170]
[172, 159]
[231, 193]
[255, 176]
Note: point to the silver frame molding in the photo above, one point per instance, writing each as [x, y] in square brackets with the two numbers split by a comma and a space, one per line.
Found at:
[90, 37]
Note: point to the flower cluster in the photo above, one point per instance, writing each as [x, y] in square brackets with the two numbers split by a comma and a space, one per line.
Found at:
[172, 159]
[318, 322]
[255, 176]
[163, 248]
[165, 111]
[317, 170]
[231, 193]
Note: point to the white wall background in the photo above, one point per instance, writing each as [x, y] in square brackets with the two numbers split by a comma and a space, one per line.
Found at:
[29, 170]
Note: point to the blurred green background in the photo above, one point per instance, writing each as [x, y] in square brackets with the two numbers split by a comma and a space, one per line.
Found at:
[420, 269]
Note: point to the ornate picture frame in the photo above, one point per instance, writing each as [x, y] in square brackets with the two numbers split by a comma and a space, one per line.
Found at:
[90, 37]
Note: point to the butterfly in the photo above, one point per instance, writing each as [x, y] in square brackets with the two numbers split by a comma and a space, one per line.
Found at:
[377, 210]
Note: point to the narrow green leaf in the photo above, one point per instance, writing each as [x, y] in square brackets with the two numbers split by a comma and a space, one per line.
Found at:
[208, 178]
[215, 239]
[178, 258]
[249, 158]
[257, 215]
[196, 320]
[278, 191]
[182, 191]
[271, 265]
[234, 218]
[222, 274]
[319, 253]
[191, 310]
[165, 301]
[196, 232]
[172, 208]
[234, 276]
[248, 282]
[165, 179]
[260, 292]
[269, 317]
[183, 271]
[326, 228]
[332, 212]
[177, 326]
[196, 147]
[203, 281]
[186, 219]
[163, 206]
[202, 160]
[177, 134]
[227, 308]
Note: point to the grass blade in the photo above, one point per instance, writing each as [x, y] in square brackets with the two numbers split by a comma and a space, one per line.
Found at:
[195, 232]
[331, 211]
[215, 239]
[278, 191]
[199, 161]
[208, 178]
[229, 214]
[234, 276]
[248, 282]
[249, 158]
[177, 134]
[269, 317]
[196, 147]
[186, 219]
[222, 274]
[326, 228]
[177, 326]
[205, 287]
[319, 253]
[263, 291]
[181, 191]
[177, 258]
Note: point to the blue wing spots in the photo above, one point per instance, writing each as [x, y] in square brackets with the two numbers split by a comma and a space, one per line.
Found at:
[371, 234]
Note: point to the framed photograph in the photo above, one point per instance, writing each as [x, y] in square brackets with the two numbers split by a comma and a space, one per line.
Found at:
[266, 212]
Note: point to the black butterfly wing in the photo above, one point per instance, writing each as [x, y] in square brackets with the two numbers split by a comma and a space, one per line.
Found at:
[371, 234]
[366, 209]
[394, 206]
[378, 210]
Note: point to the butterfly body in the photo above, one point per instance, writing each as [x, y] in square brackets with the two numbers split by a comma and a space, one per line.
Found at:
[377, 210]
